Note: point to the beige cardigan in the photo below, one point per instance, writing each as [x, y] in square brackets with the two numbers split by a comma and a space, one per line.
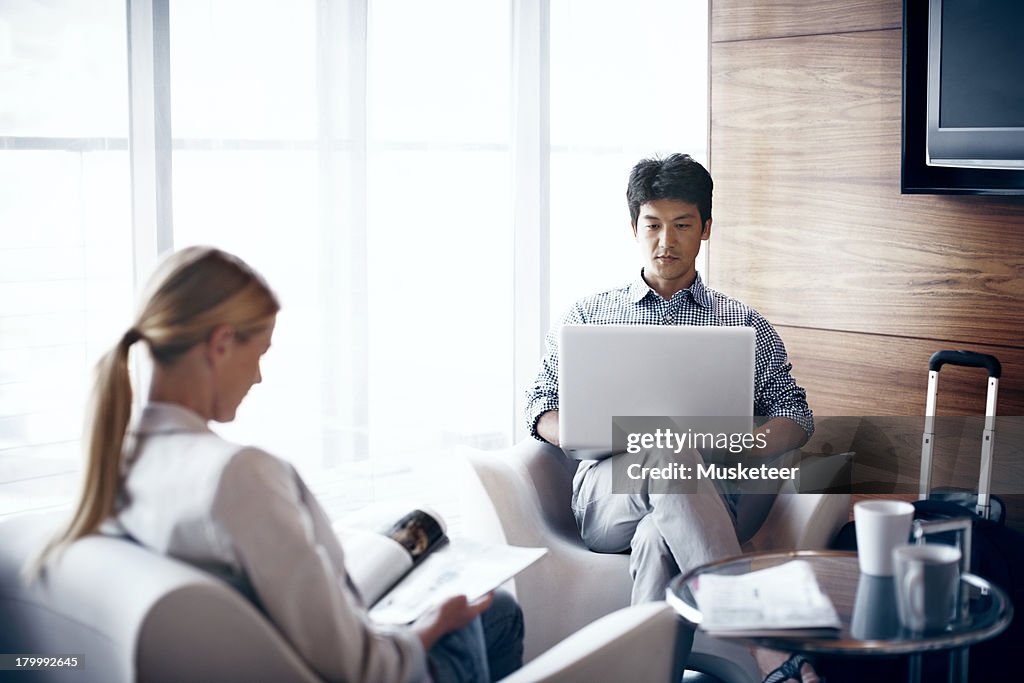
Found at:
[242, 512]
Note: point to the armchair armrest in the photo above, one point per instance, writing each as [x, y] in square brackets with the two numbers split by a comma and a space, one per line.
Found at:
[644, 642]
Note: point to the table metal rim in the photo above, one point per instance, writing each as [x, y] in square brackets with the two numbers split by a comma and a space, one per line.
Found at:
[838, 646]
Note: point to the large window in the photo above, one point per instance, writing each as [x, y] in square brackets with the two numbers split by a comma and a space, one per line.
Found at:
[629, 80]
[65, 232]
[368, 157]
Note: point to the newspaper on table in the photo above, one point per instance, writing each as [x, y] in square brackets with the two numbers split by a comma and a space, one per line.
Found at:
[773, 601]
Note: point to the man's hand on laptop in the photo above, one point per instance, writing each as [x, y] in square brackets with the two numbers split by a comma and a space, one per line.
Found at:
[547, 427]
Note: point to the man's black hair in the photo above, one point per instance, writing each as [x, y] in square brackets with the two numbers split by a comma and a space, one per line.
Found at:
[677, 176]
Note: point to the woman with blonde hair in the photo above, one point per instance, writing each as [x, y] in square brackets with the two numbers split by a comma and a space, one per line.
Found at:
[175, 486]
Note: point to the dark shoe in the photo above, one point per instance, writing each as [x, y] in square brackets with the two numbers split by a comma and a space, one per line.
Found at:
[789, 670]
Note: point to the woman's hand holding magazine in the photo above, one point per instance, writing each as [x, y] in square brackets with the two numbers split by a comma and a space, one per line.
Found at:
[450, 615]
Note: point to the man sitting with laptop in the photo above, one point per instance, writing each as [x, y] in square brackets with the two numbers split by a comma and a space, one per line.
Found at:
[668, 533]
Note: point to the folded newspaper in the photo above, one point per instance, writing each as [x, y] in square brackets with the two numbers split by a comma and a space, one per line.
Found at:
[410, 565]
[774, 601]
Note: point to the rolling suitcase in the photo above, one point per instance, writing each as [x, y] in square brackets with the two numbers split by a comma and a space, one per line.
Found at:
[945, 503]
[988, 547]
[951, 503]
[991, 550]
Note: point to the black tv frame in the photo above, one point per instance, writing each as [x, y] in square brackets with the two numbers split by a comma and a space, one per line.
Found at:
[916, 176]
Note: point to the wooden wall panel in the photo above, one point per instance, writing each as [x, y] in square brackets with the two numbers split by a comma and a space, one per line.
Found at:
[810, 227]
[865, 374]
[809, 222]
[745, 20]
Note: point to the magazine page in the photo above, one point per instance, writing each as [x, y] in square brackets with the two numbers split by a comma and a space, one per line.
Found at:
[462, 567]
[782, 598]
[419, 532]
[374, 562]
[382, 543]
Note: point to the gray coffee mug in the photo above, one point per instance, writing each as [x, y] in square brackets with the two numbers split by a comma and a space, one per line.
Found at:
[927, 578]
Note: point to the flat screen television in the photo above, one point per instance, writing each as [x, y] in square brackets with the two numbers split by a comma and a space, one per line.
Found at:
[963, 97]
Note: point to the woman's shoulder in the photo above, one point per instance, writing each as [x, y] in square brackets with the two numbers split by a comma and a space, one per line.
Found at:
[254, 461]
[252, 470]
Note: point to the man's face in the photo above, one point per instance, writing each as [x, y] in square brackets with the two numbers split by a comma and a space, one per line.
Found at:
[669, 233]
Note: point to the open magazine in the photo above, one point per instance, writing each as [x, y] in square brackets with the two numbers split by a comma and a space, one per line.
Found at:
[409, 566]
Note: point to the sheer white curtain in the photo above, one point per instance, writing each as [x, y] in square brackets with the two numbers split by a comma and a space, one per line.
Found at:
[380, 211]
[65, 232]
[361, 154]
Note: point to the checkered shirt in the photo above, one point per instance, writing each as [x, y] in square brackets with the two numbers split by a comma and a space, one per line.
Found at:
[776, 393]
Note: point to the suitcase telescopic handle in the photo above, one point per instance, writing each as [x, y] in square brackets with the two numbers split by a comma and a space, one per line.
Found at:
[968, 359]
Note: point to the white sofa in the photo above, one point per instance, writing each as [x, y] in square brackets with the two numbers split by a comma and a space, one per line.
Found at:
[522, 496]
[131, 614]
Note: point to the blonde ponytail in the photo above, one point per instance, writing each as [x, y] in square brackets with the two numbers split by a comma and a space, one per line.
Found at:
[108, 414]
[107, 419]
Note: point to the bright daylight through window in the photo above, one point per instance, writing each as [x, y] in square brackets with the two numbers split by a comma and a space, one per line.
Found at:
[368, 156]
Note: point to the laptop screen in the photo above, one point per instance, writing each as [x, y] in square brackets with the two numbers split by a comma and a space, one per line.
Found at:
[648, 370]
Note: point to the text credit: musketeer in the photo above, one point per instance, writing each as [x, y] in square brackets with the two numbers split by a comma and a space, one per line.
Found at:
[717, 472]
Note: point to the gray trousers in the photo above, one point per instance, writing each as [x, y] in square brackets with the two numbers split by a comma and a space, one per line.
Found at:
[667, 533]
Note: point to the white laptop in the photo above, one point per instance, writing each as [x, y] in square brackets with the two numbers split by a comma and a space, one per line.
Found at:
[648, 370]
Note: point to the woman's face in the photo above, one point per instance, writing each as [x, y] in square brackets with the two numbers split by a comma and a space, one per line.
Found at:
[238, 371]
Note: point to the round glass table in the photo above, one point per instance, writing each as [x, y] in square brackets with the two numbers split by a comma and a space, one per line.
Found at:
[866, 607]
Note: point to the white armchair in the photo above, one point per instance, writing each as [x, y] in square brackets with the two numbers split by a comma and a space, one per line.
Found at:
[522, 496]
[132, 614]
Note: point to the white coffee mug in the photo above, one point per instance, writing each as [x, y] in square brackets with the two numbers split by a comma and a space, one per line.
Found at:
[881, 526]
[927, 578]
